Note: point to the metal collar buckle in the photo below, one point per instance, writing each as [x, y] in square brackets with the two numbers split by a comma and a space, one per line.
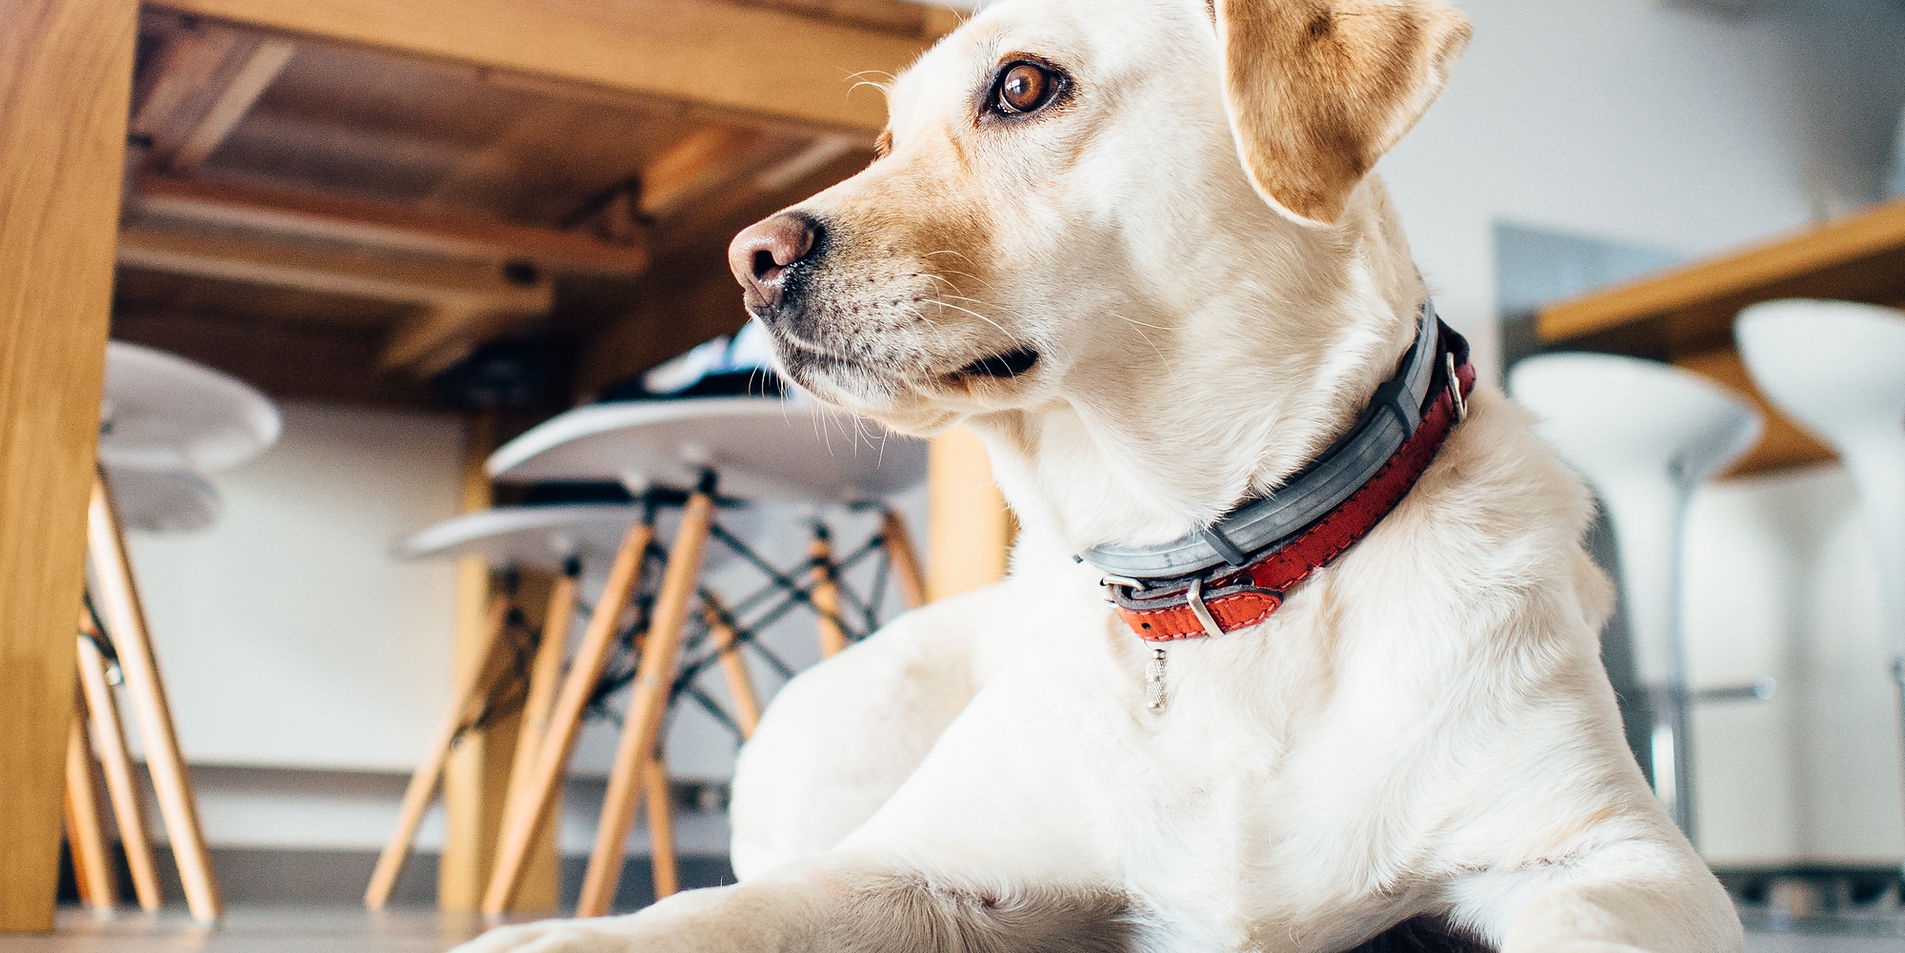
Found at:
[1455, 388]
[1195, 598]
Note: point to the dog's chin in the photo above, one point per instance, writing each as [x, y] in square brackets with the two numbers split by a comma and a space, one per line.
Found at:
[923, 404]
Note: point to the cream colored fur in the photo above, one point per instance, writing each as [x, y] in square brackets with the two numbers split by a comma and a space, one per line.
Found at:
[1424, 729]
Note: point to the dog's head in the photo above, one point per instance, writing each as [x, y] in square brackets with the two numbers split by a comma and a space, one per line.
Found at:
[1104, 206]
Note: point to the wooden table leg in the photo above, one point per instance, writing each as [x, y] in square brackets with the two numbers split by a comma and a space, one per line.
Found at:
[122, 790]
[661, 828]
[465, 701]
[747, 704]
[91, 868]
[641, 731]
[118, 599]
[529, 812]
[899, 549]
[826, 594]
[65, 81]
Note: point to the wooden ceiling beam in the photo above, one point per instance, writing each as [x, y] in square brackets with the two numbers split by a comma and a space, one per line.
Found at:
[473, 285]
[206, 79]
[408, 229]
[751, 60]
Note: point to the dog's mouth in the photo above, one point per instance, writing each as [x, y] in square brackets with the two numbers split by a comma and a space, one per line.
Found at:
[1001, 366]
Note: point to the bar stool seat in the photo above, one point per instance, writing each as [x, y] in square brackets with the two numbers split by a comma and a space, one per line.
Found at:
[537, 538]
[161, 411]
[764, 449]
[1645, 435]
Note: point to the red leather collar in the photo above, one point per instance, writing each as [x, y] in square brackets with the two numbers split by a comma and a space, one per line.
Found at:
[1225, 599]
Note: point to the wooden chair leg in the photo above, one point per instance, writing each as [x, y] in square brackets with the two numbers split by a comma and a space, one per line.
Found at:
[899, 549]
[530, 811]
[128, 809]
[826, 595]
[641, 729]
[466, 699]
[747, 704]
[539, 700]
[118, 599]
[91, 868]
[661, 829]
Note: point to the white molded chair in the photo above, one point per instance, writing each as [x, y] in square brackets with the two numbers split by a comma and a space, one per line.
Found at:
[1645, 435]
[1838, 369]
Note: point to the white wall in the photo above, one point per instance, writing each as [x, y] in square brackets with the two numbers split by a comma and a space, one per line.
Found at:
[287, 636]
[1633, 121]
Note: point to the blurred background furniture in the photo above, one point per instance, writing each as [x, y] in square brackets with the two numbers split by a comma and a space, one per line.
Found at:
[1645, 435]
[162, 419]
[742, 447]
[1838, 369]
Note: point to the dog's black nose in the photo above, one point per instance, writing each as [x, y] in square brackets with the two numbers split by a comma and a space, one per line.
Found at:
[764, 251]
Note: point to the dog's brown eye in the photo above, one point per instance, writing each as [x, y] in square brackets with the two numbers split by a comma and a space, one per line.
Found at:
[1026, 87]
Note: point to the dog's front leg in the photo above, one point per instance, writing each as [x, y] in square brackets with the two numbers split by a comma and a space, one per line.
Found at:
[849, 907]
[1637, 896]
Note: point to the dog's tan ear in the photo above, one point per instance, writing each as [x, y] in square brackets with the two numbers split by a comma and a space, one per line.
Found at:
[1318, 90]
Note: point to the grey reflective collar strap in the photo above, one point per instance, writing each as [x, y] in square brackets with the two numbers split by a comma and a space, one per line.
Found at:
[1265, 522]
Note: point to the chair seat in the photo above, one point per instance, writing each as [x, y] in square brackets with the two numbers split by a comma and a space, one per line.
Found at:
[162, 501]
[163, 412]
[544, 538]
[764, 449]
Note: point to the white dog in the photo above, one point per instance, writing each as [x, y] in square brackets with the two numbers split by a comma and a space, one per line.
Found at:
[1134, 245]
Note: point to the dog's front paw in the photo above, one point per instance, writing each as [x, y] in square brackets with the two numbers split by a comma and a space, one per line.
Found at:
[560, 936]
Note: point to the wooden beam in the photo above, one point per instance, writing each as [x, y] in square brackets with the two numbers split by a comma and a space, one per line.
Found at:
[256, 74]
[206, 78]
[701, 52]
[337, 365]
[1860, 257]
[429, 342]
[471, 285]
[412, 230]
[65, 80]
[970, 530]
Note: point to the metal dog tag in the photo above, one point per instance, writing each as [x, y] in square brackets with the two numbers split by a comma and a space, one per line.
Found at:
[1154, 681]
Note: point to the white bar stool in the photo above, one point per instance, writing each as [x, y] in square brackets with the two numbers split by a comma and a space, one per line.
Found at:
[1645, 435]
[1838, 369]
[752, 448]
[163, 419]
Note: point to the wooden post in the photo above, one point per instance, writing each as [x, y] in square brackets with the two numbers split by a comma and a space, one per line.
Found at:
[641, 730]
[65, 80]
[969, 527]
[899, 549]
[529, 813]
[541, 885]
[118, 600]
[128, 808]
[826, 594]
[476, 776]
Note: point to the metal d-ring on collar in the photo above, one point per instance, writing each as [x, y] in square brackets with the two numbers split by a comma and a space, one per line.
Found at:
[1392, 417]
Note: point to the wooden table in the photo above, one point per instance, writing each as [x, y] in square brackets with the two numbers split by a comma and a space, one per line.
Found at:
[753, 92]
[1685, 315]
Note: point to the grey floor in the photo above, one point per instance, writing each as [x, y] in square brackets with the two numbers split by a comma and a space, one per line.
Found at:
[348, 930]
